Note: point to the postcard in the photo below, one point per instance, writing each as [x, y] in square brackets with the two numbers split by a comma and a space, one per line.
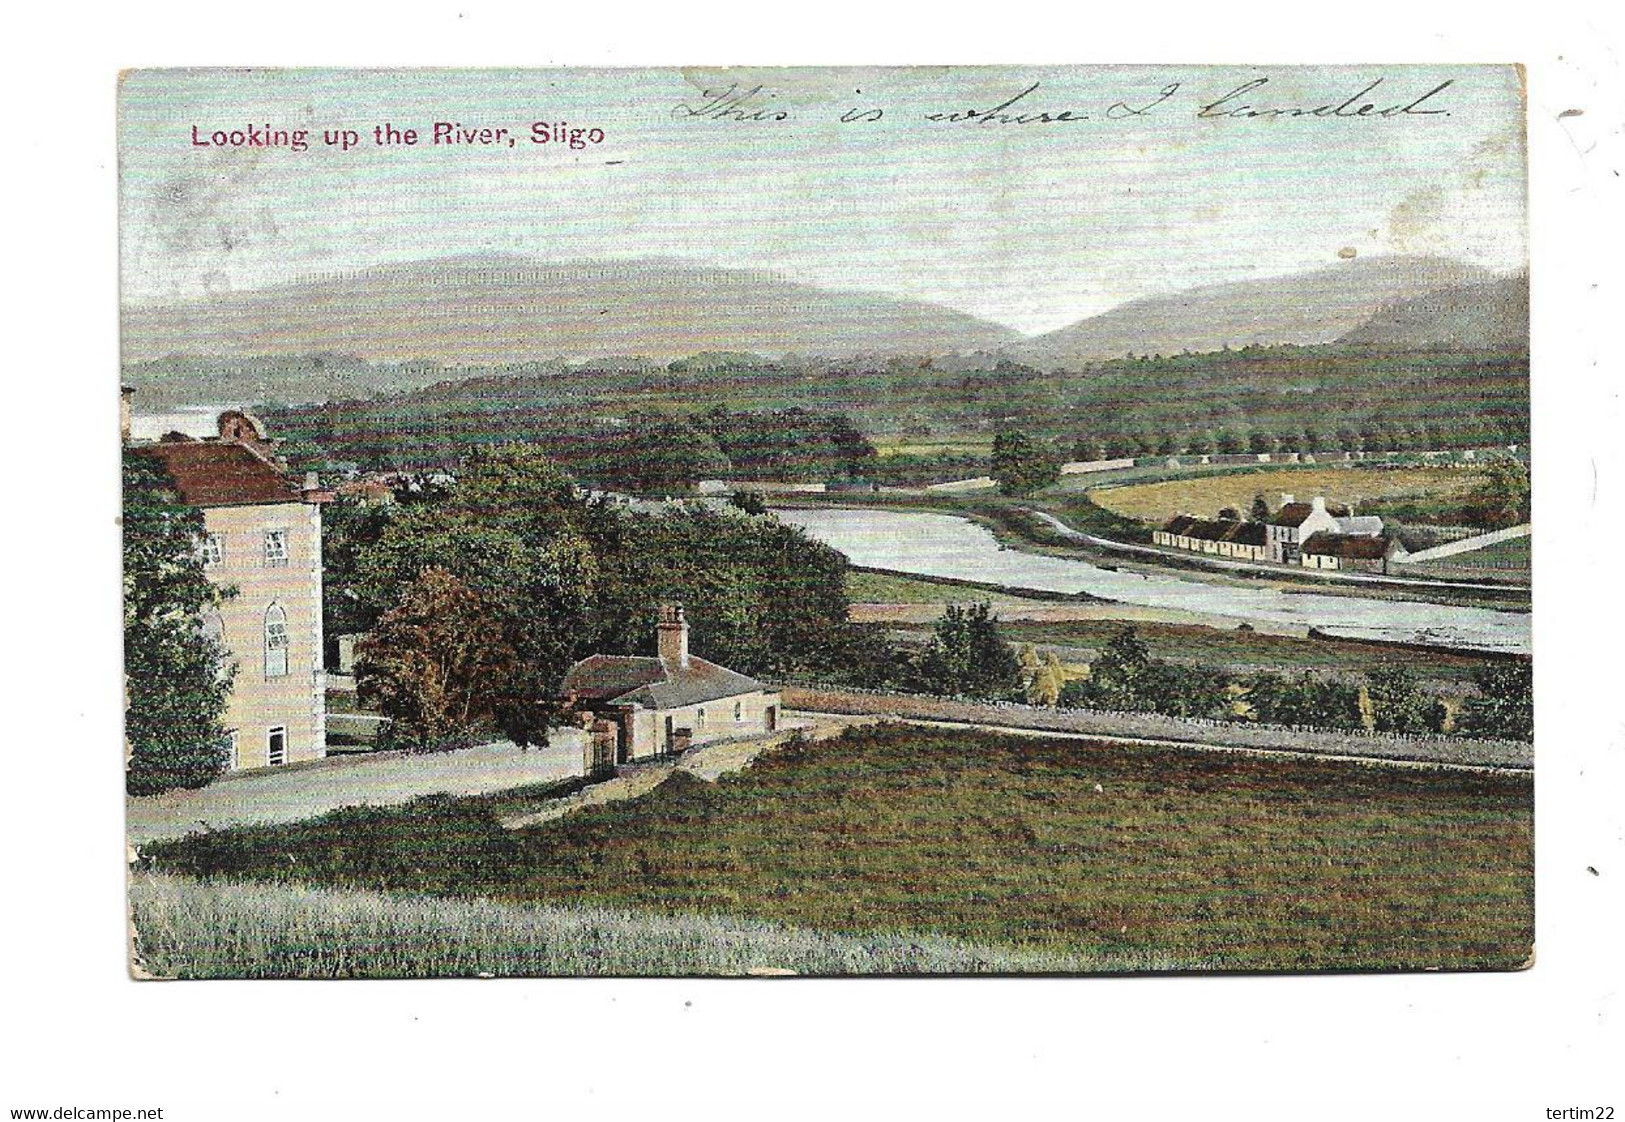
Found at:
[826, 521]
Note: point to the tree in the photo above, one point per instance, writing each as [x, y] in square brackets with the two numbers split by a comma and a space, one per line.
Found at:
[1504, 705]
[968, 657]
[1397, 705]
[1501, 498]
[436, 663]
[1230, 442]
[1022, 466]
[1260, 510]
[1117, 676]
[751, 502]
[176, 677]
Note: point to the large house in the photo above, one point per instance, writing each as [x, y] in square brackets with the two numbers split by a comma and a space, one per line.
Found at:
[1295, 523]
[662, 705]
[263, 536]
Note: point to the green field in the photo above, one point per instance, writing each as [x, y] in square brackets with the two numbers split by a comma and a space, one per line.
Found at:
[1248, 650]
[1118, 855]
[863, 587]
[188, 928]
[1368, 490]
[1508, 560]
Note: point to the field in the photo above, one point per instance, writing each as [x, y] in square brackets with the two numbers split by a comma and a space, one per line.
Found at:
[1368, 490]
[1115, 855]
[963, 445]
[216, 929]
[1508, 560]
[1243, 651]
[866, 587]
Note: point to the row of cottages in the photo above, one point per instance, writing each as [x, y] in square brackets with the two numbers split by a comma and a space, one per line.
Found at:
[649, 707]
[1245, 541]
[262, 536]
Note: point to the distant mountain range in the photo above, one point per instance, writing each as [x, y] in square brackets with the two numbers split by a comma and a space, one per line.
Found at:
[1320, 306]
[1479, 316]
[398, 327]
[502, 309]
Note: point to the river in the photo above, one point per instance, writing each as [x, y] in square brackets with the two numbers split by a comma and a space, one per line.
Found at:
[944, 545]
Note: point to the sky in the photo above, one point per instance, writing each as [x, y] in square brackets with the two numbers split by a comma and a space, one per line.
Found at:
[1033, 224]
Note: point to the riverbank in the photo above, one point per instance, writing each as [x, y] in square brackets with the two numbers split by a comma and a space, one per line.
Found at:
[941, 544]
[1040, 526]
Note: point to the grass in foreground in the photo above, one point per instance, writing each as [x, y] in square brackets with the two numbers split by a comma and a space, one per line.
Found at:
[215, 929]
[1113, 855]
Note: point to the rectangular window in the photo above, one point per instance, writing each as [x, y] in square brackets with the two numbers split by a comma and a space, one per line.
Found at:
[213, 550]
[276, 548]
[231, 750]
[276, 746]
[276, 645]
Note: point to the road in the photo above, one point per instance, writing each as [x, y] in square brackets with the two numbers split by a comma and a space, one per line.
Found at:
[267, 796]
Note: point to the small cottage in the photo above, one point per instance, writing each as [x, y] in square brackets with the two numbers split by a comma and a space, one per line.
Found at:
[1360, 552]
[662, 705]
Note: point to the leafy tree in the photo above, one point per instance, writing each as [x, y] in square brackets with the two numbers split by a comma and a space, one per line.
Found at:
[1202, 443]
[1502, 498]
[436, 663]
[1117, 677]
[1397, 705]
[968, 657]
[751, 502]
[1504, 705]
[1260, 441]
[1306, 700]
[176, 680]
[1022, 466]
[1044, 677]
[1260, 510]
[1231, 442]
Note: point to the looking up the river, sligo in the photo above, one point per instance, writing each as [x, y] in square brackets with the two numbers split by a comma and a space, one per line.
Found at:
[1051, 520]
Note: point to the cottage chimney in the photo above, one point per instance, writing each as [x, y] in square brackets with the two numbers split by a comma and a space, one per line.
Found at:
[125, 393]
[1319, 504]
[673, 635]
[1287, 497]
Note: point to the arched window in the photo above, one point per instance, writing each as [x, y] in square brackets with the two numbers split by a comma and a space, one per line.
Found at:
[276, 641]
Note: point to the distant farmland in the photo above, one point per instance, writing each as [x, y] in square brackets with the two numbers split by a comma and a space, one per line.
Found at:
[1364, 488]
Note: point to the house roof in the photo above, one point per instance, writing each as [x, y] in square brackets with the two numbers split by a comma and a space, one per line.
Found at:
[653, 682]
[221, 473]
[1246, 533]
[1217, 530]
[1366, 524]
[1361, 547]
[1295, 514]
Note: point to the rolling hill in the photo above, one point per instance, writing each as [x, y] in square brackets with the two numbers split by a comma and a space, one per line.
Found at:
[1320, 306]
[1481, 316]
[504, 309]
